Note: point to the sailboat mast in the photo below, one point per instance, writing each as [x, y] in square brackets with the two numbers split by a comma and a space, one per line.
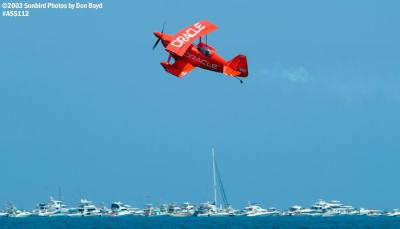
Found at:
[214, 177]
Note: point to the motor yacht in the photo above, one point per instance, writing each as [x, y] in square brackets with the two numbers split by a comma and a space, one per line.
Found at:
[332, 208]
[3, 213]
[206, 209]
[120, 209]
[297, 210]
[12, 211]
[85, 208]
[52, 208]
[253, 209]
[186, 209]
[369, 212]
[149, 210]
[394, 212]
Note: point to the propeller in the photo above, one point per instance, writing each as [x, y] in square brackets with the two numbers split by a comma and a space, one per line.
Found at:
[159, 39]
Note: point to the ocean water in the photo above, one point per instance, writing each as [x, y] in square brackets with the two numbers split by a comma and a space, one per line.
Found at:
[194, 222]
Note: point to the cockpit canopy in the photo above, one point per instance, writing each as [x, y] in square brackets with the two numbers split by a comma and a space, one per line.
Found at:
[205, 49]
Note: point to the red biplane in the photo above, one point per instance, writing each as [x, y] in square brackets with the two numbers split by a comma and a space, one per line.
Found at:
[187, 55]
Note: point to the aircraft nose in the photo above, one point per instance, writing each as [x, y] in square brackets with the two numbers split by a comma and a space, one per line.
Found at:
[157, 34]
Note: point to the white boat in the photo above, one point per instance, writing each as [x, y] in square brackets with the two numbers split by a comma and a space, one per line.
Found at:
[3, 213]
[297, 210]
[186, 209]
[19, 214]
[226, 211]
[120, 209]
[42, 210]
[206, 209]
[12, 211]
[163, 209]
[395, 213]
[211, 209]
[52, 208]
[149, 210]
[221, 213]
[253, 209]
[332, 208]
[85, 208]
[173, 209]
[320, 206]
[335, 207]
[104, 211]
[137, 211]
[369, 212]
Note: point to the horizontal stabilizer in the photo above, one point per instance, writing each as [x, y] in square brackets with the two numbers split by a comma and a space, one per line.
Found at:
[237, 67]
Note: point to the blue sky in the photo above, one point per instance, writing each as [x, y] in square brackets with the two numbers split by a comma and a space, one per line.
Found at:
[86, 106]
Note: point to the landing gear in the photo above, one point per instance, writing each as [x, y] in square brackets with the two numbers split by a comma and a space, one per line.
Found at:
[169, 59]
[241, 81]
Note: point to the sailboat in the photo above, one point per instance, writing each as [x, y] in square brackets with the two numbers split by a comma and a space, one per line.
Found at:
[212, 209]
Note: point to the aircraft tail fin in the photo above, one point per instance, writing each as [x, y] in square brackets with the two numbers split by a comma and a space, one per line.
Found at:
[237, 66]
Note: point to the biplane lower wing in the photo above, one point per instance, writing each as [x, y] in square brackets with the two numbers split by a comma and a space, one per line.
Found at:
[184, 38]
[180, 68]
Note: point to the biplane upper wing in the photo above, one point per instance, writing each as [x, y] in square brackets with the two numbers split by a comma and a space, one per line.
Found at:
[184, 38]
[180, 68]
